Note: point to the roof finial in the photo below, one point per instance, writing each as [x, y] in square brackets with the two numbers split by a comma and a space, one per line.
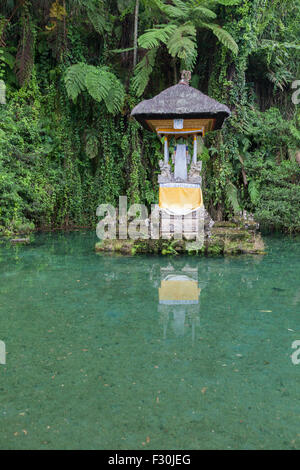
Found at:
[185, 77]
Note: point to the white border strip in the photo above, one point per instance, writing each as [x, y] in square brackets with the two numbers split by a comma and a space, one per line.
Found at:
[180, 185]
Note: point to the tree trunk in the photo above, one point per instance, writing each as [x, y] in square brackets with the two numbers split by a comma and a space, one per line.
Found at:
[136, 20]
[175, 71]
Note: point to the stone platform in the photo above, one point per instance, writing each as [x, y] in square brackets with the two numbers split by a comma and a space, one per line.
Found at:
[223, 238]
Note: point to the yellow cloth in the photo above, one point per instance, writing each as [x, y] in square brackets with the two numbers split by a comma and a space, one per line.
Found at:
[179, 290]
[180, 199]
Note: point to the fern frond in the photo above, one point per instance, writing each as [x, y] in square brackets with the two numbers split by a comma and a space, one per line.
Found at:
[175, 12]
[183, 44]
[279, 78]
[224, 37]
[295, 133]
[179, 9]
[97, 82]
[97, 19]
[8, 59]
[191, 59]
[142, 72]
[154, 36]
[100, 83]
[183, 5]
[204, 13]
[232, 196]
[114, 100]
[75, 80]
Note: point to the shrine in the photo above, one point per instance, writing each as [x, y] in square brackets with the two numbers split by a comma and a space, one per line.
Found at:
[181, 116]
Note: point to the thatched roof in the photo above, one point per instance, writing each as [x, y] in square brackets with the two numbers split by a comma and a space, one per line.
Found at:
[181, 101]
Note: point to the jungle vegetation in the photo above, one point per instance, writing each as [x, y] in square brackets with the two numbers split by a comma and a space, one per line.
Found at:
[72, 70]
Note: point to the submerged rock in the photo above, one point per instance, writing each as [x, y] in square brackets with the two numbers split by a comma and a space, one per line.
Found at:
[20, 240]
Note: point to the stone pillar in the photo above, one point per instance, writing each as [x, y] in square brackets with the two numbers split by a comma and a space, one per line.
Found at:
[195, 149]
[166, 150]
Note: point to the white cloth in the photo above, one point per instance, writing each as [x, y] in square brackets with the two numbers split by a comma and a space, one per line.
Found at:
[180, 162]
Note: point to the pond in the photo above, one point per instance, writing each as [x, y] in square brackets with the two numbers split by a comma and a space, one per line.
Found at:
[108, 352]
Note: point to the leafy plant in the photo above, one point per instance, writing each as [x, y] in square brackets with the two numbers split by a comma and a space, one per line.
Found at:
[179, 35]
[99, 82]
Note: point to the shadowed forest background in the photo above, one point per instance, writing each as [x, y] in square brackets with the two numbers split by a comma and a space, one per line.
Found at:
[71, 72]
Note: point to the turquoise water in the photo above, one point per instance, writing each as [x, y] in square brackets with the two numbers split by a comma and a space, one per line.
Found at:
[99, 355]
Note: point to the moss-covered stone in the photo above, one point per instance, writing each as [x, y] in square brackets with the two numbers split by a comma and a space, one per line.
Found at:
[231, 233]
[253, 245]
[22, 241]
[225, 223]
[224, 240]
[17, 230]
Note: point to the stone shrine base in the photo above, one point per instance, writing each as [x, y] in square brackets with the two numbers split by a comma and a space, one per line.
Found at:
[223, 238]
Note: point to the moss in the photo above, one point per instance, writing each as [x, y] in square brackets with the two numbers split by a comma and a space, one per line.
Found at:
[226, 224]
[118, 246]
[231, 233]
[254, 245]
[225, 239]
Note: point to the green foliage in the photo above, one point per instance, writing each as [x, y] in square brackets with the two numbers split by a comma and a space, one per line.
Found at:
[91, 143]
[67, 86]
[97, 17]
[182, 44]
[75, 80]
[142, 72]
[224, 37]
[179, 34]
[154, 36]
[279, 197]
[100, 83]
[232, 197]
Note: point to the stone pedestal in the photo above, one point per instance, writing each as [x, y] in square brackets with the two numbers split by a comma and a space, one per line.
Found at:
[187, 227]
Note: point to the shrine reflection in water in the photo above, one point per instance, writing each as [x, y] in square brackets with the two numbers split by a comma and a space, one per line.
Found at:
[179, 299]
[147, 352]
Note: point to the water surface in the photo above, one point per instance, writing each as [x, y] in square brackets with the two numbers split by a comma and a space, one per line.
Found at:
[108, 352]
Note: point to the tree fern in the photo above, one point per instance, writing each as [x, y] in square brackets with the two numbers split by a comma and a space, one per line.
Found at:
[182, 4]
[175, 12]
[97, 17]
[99, 82]
[142, 72]
[232, 196]
[95, 12]
[183, 44]
[75, 80]
[116, 94]
[153, 37]
[179, 34]
[204, 13]
[224, 37]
